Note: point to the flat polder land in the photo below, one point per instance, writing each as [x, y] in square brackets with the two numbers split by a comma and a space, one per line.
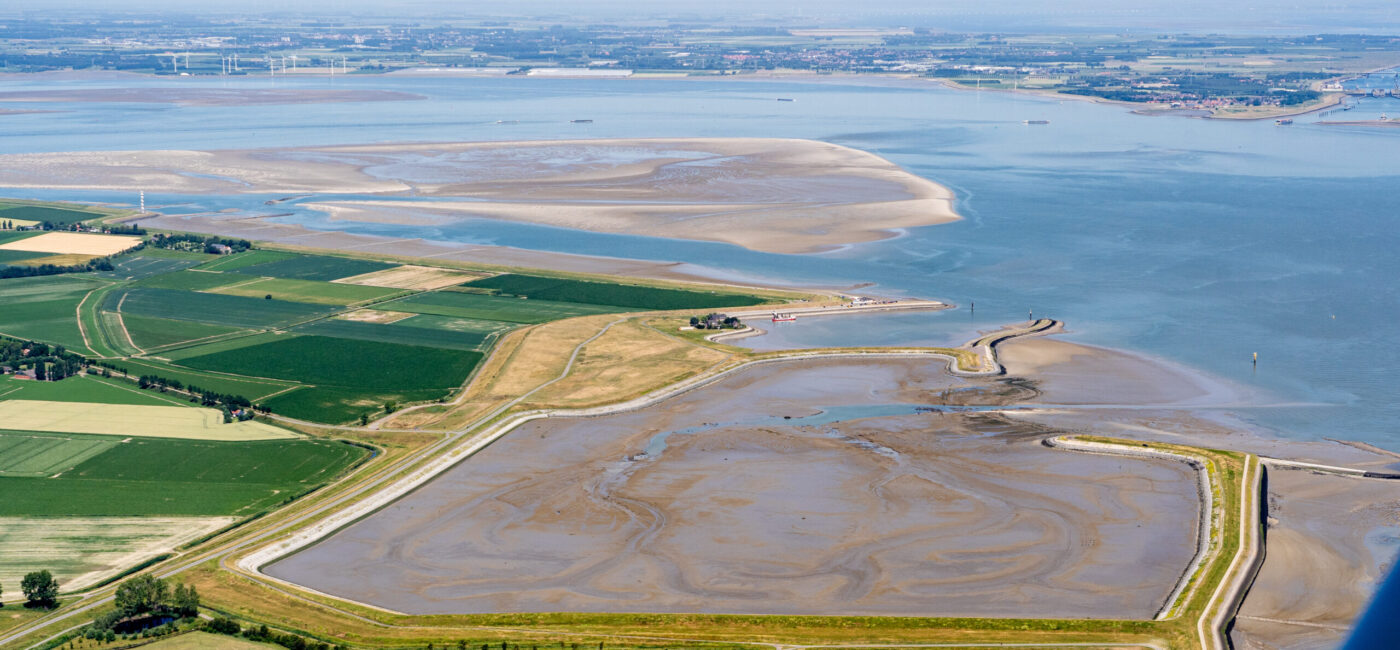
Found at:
[123, 431]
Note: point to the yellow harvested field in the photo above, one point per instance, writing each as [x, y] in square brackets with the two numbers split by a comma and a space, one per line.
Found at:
[132, 420]
[83, 551]
[20, 223]
[79, 243]
[374, 316]
[626, 362]
[57, 260]
[412, 277]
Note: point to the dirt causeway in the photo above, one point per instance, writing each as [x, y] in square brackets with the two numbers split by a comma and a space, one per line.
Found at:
[715, 502]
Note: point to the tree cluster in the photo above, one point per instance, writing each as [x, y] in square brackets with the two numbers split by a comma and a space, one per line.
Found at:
[146, 603]
[715, 321]
[198, 243]
[50, 362]
[124, 229]
[40, 589]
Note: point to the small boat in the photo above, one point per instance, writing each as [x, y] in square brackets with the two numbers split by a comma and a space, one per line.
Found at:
[1035, 122]
[786, 99]
[581, 121]
[1284, 122]
[784, 318]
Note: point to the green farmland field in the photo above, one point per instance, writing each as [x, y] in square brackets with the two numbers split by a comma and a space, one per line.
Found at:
[311, 267]
[483, 307]
[57, 216]
[327, 293]
[223, 345]
[83, 389]
[245, 259]
[146, 263]
[248, 387]
[15, 257]
[236, 311]
[150, 333]
[190, 280]
[335, 405]
[618, 295]
[402, 332]
[347, 363]
[15, 235]
[181, 477]
[44, 308]
[27, 453]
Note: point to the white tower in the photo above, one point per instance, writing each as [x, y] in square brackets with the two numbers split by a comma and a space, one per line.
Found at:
[143, 201]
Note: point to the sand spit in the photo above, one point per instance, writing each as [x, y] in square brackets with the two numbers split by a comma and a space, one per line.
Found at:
[775, 195]
[713, 502]
[206, 96]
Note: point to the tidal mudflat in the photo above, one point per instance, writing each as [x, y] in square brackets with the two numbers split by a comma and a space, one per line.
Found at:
[795, 488]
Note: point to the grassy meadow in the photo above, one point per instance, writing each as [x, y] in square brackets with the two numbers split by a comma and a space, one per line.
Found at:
[162, 476]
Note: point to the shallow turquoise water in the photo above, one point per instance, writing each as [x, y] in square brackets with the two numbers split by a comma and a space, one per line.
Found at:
[1199, 241]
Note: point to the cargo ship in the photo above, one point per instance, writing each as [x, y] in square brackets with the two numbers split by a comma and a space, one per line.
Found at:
[784, 318]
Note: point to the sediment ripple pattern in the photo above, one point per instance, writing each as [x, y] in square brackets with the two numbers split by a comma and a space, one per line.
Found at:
[927, 514]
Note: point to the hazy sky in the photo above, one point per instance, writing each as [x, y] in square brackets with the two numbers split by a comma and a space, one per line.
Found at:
[1017, 15]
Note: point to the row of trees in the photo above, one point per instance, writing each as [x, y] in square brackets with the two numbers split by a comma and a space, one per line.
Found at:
[265, 635]
[97, 264]
[205, 397]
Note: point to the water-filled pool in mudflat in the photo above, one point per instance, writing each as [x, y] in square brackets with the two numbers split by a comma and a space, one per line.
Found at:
[900, 514]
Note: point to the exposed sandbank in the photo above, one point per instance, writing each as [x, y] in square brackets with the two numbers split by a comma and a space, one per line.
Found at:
[739, 510]
[768, 194]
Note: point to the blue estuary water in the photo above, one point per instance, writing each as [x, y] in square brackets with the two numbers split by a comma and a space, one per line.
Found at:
[1199, 241]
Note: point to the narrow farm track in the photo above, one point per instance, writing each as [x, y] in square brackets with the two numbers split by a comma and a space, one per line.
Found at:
[121, 322]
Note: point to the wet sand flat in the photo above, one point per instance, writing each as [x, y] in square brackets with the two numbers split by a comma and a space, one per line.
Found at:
[1331, 540]
[713, 502]
[767, 194]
